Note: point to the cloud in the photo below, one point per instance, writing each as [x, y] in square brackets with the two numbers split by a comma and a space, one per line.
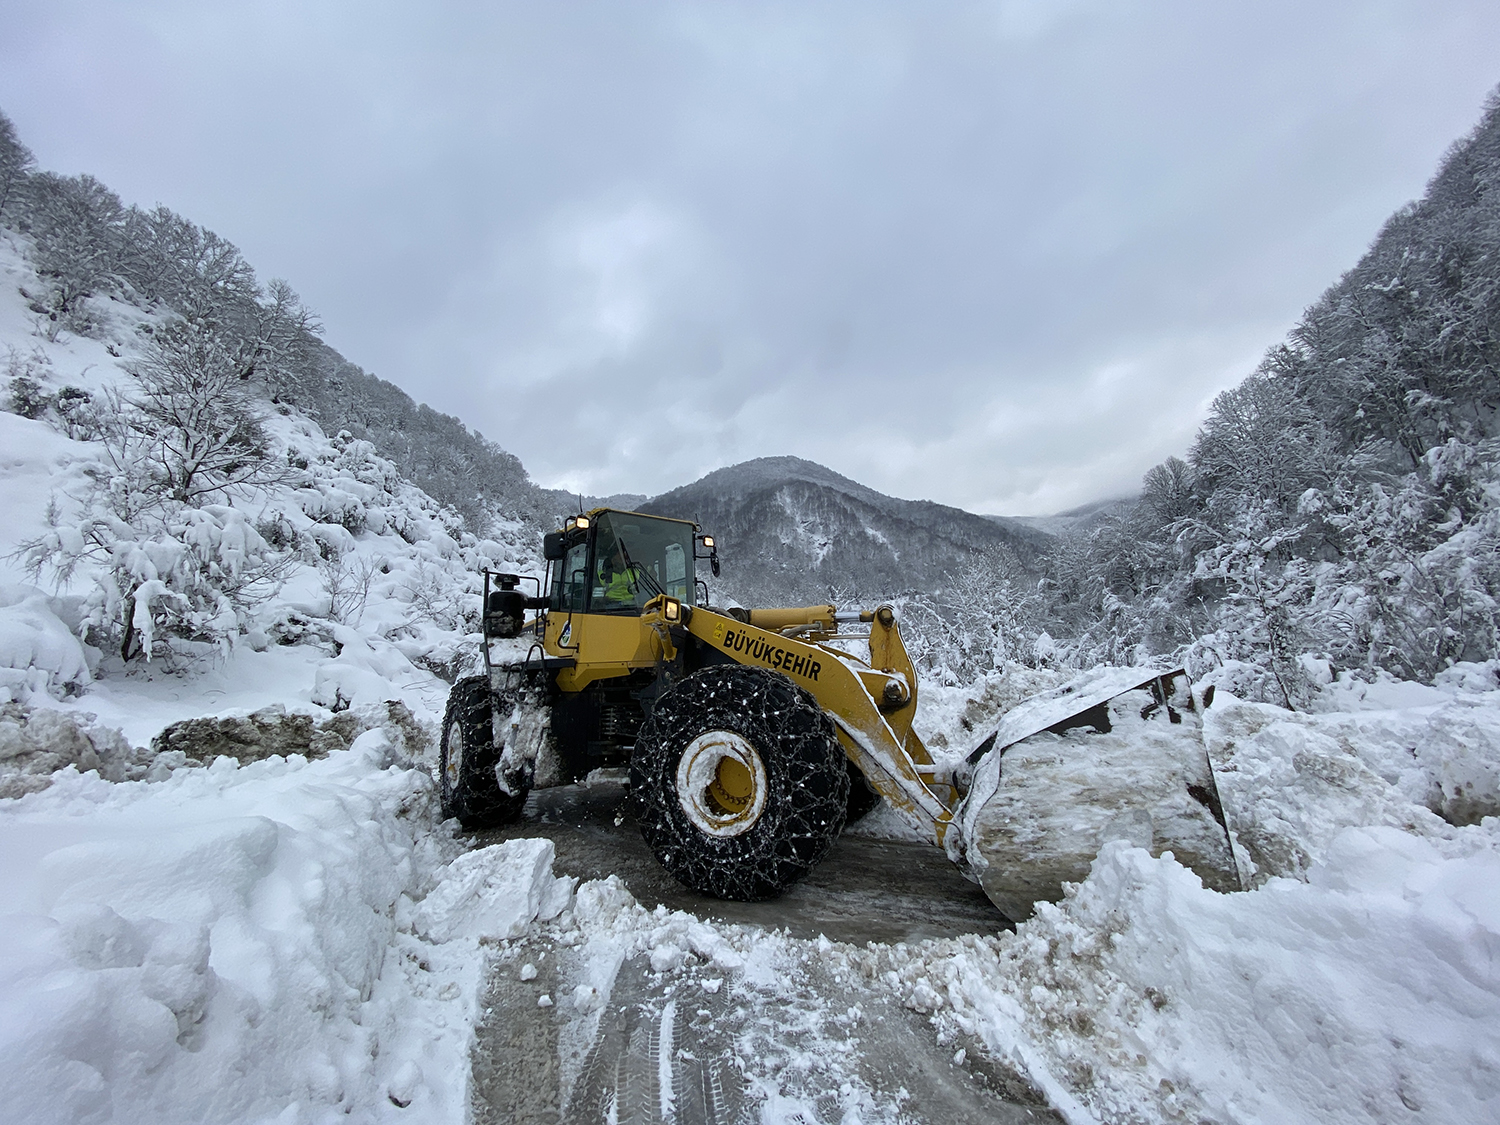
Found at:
[996, 254]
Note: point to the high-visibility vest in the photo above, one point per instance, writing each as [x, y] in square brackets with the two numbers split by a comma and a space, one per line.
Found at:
[621, 586]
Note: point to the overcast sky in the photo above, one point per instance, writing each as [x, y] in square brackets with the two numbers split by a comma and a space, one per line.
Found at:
[1000, 255]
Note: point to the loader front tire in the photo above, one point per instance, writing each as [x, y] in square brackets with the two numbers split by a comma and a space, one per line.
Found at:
[468, 781]
[739, 782]
[862, 796]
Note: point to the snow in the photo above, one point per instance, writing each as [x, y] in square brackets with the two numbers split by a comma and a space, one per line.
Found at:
[38, 652]
[35, 462]
[494, 893]
[1084, 691]
[1291, 781]
[1366, 994]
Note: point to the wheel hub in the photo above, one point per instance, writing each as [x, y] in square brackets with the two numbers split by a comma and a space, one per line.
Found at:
[721, 783]
[454, 767]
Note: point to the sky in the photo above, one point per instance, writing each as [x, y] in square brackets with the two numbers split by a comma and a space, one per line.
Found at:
[1000, 255]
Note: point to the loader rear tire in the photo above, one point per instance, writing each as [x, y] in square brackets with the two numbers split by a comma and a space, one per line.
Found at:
[784, 791]
[468, 782]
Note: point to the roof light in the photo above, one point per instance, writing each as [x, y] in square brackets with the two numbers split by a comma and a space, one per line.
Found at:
[582, 522]
[708, 540]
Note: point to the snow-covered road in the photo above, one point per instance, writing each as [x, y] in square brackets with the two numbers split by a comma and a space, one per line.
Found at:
[712, 1027]
[671, 1007]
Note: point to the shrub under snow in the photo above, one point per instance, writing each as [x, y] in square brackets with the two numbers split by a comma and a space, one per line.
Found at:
[38, 652]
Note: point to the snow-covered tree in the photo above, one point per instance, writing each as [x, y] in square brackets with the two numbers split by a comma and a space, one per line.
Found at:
[16, 162]
[156, 525]
[987, 614]
[192, 417]
[76, 223]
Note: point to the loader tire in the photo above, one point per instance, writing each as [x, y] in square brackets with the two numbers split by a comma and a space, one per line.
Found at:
[739, 782]
[468, 781]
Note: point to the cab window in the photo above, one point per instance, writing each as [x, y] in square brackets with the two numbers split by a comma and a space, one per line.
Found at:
[637, 558]
[570, 580]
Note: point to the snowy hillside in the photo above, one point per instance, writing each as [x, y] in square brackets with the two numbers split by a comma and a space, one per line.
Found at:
[1082, 518]
[166, 934]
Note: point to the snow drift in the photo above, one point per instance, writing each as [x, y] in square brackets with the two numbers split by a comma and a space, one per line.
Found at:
[225, 945]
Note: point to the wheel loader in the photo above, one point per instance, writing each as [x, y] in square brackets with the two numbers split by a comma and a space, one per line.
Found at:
[751, 737]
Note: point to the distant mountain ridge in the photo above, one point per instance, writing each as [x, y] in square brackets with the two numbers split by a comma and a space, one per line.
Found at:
[793, 530]
[1083, 517]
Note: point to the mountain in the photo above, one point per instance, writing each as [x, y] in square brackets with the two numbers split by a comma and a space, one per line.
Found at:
[791, 530]
[1083, 518]
[566, 503]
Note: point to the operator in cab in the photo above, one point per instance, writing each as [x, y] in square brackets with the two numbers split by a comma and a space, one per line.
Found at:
[619, 578]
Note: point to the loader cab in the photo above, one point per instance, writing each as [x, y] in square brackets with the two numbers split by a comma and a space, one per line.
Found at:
[609, 562]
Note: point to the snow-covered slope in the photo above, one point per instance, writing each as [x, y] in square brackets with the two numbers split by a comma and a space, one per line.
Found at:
[237, 942]
[1074, 519]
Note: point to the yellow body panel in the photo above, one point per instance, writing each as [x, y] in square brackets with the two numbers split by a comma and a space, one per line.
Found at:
[604, 646]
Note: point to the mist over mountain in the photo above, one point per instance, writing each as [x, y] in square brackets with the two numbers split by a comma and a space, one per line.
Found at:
[792, 530]
[1085, 517]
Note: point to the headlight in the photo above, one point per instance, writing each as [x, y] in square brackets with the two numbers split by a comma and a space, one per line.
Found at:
[672, 610]
[708, 541]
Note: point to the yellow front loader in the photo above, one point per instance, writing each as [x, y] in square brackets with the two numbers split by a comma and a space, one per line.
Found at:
[752, 736]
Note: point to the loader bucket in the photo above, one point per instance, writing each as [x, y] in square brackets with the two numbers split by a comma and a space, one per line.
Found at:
[1115, 753]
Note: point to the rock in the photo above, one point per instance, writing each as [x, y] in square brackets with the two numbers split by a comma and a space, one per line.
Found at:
[35, 742]
[275, 731]
[246, 738]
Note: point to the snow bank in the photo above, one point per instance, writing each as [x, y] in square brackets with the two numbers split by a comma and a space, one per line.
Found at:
[1291, 781]
[1358, 982]
[1366, 994]
[227, 945]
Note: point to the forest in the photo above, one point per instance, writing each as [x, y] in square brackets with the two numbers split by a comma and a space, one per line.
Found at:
[1338, 512]
[1338, 509]
[87, 244]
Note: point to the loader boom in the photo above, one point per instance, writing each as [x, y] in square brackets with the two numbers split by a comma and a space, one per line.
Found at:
[871, 706]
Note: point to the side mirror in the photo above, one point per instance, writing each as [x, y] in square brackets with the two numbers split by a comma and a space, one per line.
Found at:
[707, 543]
[554, 545]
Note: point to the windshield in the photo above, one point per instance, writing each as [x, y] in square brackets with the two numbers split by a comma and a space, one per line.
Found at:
[636, 558]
